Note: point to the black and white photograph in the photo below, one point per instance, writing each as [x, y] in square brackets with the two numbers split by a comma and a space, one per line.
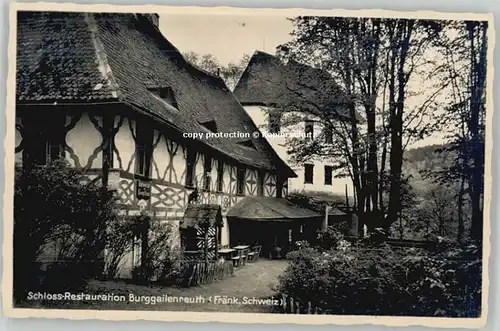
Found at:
[271, 164]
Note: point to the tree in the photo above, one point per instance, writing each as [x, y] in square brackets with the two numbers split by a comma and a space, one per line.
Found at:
[232, 72]
[465, 50]
[369, 58]
[208, 62]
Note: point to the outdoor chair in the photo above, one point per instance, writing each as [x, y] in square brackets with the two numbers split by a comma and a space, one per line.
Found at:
[254, 254]
[244, 256]
[237, 259]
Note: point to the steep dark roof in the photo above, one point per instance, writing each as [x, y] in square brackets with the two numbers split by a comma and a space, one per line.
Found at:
[268, 208]
[85, 57]
[57, 60]
[292, 85]
[202, 215]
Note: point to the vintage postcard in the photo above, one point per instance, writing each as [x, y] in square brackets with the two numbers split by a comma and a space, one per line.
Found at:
[242, 165]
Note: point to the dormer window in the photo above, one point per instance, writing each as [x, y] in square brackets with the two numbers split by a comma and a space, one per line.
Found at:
[247, 143]
[166, 93]
[210, 125]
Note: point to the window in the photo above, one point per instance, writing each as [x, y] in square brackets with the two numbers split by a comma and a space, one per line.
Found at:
[220, 176]
[54, 147]
[45, 143]
[279, 187]
[207, 169]
[328, 175]
[190, 161]
[240, 181]
[328, 134]
[166, 94]
[247, 143]
[144, 145]
[260, 184]
[274, 121]
[308, 173]
[210, 125]
[309, 128]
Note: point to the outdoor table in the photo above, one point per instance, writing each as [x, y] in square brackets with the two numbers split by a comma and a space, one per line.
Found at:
[239, 247]
[226, 253]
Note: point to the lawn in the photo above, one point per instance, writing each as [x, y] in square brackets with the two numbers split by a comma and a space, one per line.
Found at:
[244, 292]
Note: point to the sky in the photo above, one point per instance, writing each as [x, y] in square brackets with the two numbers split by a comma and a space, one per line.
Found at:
[230, 37]
[227, 37]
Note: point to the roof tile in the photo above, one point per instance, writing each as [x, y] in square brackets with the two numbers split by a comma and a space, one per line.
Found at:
[86, 57]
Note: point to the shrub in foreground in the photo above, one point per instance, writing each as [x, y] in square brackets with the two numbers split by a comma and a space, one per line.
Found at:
[60, 221]
[384, 281]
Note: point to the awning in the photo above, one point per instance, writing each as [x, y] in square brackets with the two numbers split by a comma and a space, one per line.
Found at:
[201, 216]
[270, 209]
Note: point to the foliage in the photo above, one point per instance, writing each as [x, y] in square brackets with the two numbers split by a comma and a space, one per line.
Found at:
[59, 217]
[434, 209]
[330, 237]
[120, 243]
[230, 73]
[385, 281]
[159, 259]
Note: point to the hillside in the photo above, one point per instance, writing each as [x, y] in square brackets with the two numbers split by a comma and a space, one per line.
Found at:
[424, 159]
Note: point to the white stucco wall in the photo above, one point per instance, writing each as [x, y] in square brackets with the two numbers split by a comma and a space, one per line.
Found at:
[83, 142]
[260, 117]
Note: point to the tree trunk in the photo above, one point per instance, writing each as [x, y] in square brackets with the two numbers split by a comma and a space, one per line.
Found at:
[461, 226]
[396, 122]
[476, 107]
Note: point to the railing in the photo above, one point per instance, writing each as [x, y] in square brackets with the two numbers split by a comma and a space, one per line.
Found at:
[291, 306]
[197, 273]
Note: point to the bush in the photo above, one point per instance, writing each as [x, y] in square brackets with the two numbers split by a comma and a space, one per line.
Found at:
[60, 219]
[159, 261]
[385, 281]
[120, 243]
[328, 238]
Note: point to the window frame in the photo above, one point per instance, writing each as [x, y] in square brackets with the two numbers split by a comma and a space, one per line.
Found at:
[260, 183]
[220, 176]
[42, 139]
[240, 180]
[207, 171]
[328, 180]
[144, 149]
[306, 167]
[190, 167]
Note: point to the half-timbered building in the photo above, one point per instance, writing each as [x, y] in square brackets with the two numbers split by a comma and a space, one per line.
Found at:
[112, 96]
